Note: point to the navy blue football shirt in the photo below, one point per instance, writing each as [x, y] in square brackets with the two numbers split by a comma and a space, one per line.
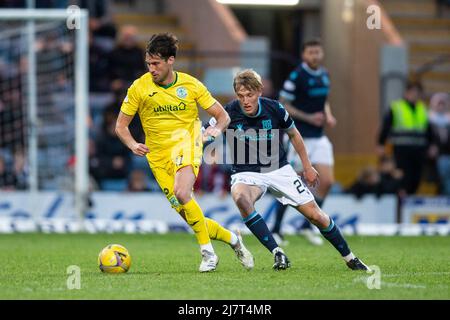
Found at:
[307, 90]
[255, 142]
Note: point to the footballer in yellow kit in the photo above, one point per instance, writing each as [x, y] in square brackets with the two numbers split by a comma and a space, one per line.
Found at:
[169, 117]
[167, 104]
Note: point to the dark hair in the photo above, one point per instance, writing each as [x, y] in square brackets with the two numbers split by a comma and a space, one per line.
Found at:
[414, 85]
[311, 43]
[164, 45]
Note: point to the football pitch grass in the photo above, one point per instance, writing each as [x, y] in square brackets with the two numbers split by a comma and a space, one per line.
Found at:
[165, 267]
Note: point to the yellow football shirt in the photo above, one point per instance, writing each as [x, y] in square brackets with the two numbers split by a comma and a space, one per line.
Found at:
[169, 114]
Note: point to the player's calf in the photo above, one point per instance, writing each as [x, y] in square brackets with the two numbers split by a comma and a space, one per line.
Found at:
[183, 196]
[332, 233]
[315, 215]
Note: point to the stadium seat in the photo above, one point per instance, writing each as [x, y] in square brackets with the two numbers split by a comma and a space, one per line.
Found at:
[113, 185]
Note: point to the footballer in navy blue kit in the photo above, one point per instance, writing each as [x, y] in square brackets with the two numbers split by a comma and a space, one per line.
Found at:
[305, 96]
[260, 165]
[250, 132]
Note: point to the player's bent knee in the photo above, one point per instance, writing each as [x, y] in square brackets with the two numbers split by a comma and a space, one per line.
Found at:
[318, 218]
[321, 220]
[242, 201]
[182, 195]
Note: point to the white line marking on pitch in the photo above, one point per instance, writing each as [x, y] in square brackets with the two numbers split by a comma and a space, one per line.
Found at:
[395, 275]
[392, 284]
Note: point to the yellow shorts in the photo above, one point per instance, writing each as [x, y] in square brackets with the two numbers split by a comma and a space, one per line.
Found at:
[164, 174]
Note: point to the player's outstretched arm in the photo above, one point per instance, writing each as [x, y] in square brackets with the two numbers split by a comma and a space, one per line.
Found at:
[124, 134]
[310, 174]
[222, 121]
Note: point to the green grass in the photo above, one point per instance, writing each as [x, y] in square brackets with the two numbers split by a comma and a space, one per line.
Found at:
[165, 267]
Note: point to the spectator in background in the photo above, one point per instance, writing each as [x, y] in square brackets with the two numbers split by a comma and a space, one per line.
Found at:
[407, 127]
[368, 182]
[126, 62]
[390, 176]
[98, 67]
[114, 107]
[53, 4]
[442, 8]
[97, 8]
[7, 178]
[20, 170]
[440, 121]
[12, 117]
[112, 155]
[66, 182]
[103, 31]
[384, 180]
[12, 4]
[51, 55]
[138, 182]
[94, 161]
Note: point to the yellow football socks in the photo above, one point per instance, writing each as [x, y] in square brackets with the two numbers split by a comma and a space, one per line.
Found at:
[196, 219]
[217, 232]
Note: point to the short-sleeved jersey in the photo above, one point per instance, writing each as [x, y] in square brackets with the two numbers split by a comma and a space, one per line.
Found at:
[307, 90]
[169, 115]
[255, 143]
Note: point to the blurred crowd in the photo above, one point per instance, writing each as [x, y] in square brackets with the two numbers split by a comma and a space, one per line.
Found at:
[115, 60]
[443, 8]
[407, 155]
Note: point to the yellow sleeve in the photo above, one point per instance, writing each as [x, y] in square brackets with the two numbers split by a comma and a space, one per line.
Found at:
[131, 102]
[204, 98]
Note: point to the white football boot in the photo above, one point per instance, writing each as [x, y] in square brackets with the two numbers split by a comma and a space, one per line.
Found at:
[209, 261]
[244, 256]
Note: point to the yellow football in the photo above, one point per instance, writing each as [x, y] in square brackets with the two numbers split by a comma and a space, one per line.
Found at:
[114, 258]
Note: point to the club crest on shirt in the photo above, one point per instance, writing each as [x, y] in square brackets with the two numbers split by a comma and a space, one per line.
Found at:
[181, 92]
[267, 124]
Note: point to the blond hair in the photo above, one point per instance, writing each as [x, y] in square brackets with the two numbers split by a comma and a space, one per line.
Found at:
[249, 79]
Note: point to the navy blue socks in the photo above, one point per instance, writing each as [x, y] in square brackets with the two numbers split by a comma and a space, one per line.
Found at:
[259, 228]
[334, 236]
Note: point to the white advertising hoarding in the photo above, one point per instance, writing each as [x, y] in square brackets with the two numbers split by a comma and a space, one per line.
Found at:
[151, 212]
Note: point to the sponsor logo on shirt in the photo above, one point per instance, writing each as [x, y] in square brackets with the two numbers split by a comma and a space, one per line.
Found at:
[170, 108]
